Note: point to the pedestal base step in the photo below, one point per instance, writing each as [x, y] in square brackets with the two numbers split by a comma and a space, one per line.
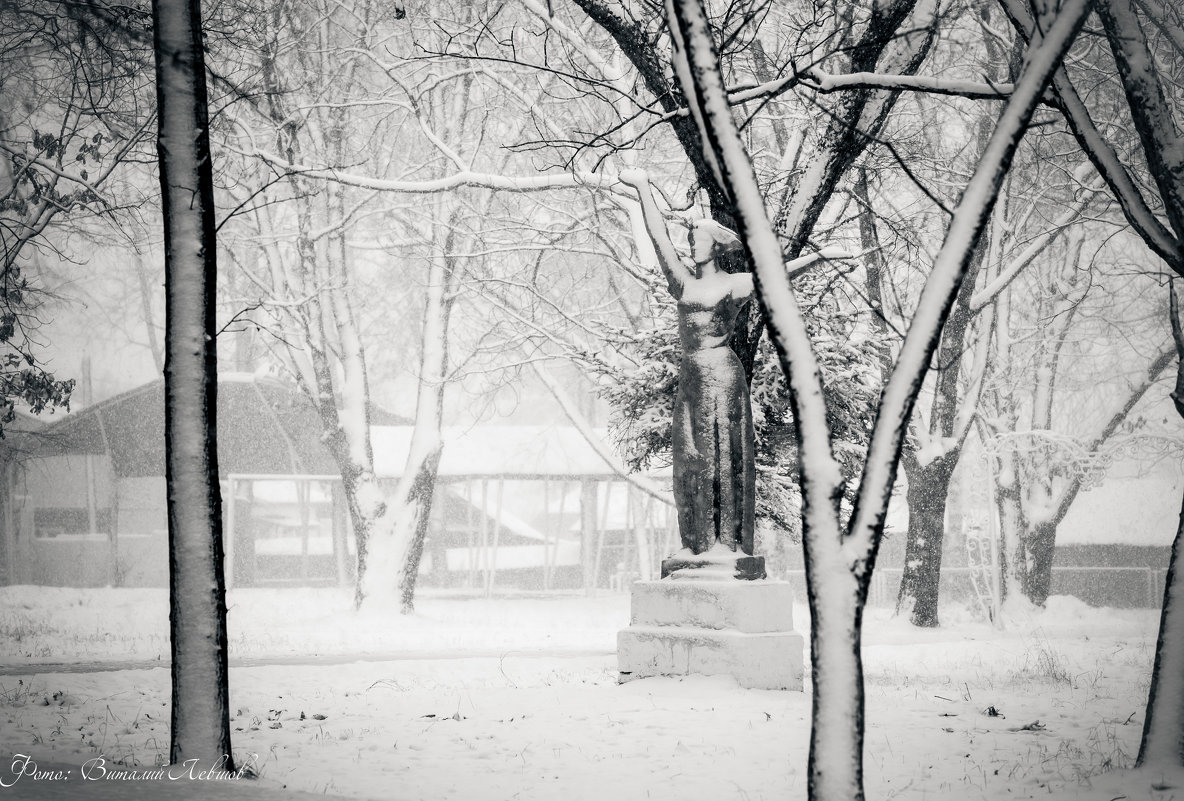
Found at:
[765, 661]
[752, 607]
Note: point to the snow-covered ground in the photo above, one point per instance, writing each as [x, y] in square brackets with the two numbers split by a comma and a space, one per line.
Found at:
[516, 698]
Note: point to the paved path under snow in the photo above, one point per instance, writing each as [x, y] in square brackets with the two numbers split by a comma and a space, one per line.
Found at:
[34, 666]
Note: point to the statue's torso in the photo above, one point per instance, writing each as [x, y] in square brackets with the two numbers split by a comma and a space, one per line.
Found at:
[707, 310]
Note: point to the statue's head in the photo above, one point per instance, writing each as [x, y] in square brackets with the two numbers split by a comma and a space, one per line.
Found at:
[709, 239]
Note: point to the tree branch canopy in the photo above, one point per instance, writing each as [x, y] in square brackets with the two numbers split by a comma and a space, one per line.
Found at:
[1103, 155]
[1154, 121]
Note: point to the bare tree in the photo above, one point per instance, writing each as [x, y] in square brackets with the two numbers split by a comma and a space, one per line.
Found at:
[197, 592]
[1163, 725]
[1154, 104]
[840, 559]
[417, 202]
[1041, 463]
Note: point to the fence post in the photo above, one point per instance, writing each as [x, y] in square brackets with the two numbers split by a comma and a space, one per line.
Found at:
[228, 535]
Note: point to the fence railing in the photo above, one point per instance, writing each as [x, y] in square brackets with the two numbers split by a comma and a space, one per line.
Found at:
[1121, 586]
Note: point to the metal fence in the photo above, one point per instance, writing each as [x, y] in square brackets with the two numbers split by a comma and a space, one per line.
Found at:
[1124, 587]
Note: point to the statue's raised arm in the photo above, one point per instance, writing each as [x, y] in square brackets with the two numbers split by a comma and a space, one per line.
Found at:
[675, 271]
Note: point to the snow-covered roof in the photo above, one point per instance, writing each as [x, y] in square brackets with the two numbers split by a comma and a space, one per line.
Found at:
[265, 426]
[512, 451]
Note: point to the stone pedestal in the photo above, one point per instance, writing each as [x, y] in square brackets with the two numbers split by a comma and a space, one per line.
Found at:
[743, 629]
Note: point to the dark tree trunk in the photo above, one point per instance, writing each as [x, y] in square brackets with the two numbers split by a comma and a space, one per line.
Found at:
[929, 484]
[1008, 502]
[419, 498]
[197, 602]
[1038, 545]
[1026, 547]
[443, 288]
[1163, 726]
[920, 583]
[1163, 730]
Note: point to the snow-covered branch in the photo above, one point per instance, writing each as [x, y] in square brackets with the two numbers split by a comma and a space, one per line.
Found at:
[826, 83]
[541, 182]
[1158, 16]
[576, 40]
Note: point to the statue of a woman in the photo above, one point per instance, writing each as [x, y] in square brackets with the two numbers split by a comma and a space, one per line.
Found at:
[714, 470]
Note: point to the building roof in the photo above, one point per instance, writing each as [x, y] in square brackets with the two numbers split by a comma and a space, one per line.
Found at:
[268, 427]
[509, 451]
[264, 426]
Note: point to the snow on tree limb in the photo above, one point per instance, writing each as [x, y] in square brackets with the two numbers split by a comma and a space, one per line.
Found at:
[860, 115]
[505, 183]
[826, 83]
[1157, 15]
[795, 267]
[690, 75]
[1158, 365]
[112, 161]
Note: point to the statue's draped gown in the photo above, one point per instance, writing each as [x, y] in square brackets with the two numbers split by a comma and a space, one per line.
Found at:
[714, 477]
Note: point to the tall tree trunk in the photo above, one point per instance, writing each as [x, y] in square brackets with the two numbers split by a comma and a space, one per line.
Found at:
[1163, 725]
[920, 583]
[420, 496]
[326, 327]
[354, 451]
[197, 601]
[929, 481]
[929, 476]
[417, 490]
[1011, 523]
